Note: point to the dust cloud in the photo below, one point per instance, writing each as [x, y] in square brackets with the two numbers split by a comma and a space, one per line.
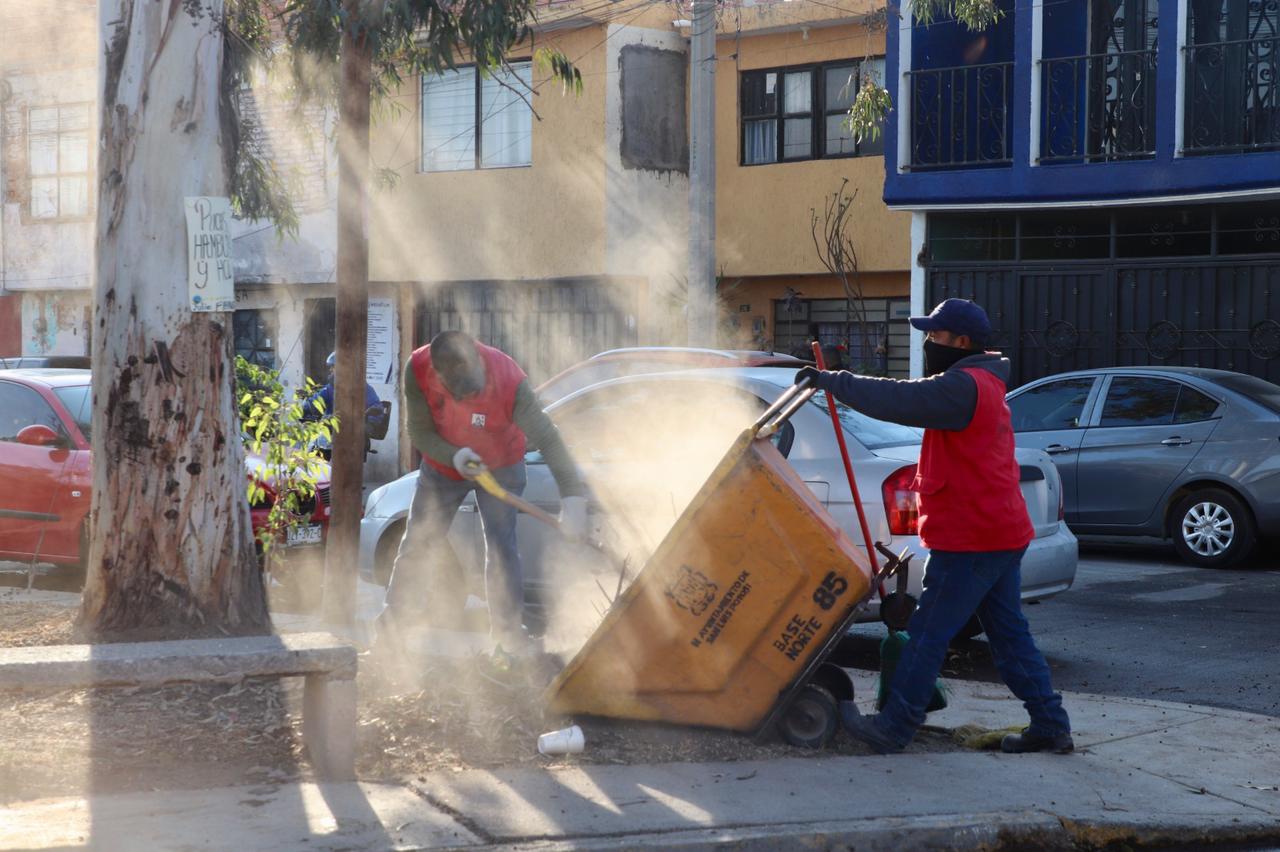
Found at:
[646, 450]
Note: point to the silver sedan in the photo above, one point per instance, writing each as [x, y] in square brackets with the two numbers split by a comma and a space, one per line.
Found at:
[1182, 453]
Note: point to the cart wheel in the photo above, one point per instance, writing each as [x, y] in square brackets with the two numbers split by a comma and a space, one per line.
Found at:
[810, 721]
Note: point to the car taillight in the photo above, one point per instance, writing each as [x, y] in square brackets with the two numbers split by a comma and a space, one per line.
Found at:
[1062, 509]
[901, 504]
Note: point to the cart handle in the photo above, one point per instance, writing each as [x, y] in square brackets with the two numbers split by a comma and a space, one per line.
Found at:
[848, 471]
[783, 408]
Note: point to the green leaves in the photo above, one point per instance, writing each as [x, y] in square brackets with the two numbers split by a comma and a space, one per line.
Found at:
[870, 106]
[561, 68]
[977, 15]
[281, 431]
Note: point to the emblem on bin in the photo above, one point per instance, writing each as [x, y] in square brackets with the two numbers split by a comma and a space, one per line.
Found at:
[692, 590]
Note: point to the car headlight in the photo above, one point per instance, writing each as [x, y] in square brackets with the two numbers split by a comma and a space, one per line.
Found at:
[372, 501]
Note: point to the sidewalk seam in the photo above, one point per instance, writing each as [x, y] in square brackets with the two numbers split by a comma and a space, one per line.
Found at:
[1169, 727]
[454, 814]
[1204, 791]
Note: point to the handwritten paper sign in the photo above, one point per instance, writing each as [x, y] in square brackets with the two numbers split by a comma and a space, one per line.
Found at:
[210, 278]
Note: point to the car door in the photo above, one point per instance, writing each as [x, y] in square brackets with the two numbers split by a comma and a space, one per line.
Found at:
[1147, 431]
[1050, 416]
[34, 521]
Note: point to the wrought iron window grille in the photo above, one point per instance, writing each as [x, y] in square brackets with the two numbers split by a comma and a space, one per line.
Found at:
[961, 116]
[1098, 107]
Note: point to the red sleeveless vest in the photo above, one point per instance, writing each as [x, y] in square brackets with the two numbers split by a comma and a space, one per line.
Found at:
[482, 422]
[970, 499]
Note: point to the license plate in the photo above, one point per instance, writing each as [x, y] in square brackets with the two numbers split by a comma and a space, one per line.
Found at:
[309, 534]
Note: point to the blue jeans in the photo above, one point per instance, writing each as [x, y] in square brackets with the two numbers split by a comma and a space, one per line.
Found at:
[421, 578]
[956, 586]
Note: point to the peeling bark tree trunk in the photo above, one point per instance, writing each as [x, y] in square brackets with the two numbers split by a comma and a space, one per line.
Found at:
[172, 545]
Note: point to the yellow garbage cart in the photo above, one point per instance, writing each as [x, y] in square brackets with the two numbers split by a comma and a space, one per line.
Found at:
[729, 622]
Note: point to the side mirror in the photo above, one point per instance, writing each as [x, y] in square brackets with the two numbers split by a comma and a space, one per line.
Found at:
[39, 435]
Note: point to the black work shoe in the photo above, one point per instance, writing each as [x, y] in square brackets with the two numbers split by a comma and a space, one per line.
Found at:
[1028, 742]
[864, 730]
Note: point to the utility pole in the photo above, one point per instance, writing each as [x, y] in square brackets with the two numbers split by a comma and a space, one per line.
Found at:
[702, 175]
[342, 551]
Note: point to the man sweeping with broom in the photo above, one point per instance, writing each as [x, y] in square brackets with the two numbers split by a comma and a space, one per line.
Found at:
[470, 410]
[974, 521]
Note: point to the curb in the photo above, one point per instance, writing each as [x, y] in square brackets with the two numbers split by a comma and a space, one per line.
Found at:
[944, 833]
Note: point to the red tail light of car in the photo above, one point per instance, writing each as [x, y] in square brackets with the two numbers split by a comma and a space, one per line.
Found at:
[1062, 509]
[901, 504]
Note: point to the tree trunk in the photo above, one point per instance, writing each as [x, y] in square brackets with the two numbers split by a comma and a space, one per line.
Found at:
[343, 548]
[172, 546]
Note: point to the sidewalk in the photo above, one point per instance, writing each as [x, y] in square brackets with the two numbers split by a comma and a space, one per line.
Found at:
[1146, 772]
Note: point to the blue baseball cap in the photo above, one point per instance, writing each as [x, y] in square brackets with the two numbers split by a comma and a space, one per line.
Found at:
[958, 316]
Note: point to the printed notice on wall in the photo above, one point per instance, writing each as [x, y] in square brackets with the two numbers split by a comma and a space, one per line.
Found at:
[379, 354]
[210, 278]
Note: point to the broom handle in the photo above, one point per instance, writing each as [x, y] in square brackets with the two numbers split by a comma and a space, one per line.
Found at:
[848, 471]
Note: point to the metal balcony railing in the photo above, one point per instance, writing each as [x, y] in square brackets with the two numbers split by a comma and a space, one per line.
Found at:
[1098, 108]
[960, 117]
[1232, 101]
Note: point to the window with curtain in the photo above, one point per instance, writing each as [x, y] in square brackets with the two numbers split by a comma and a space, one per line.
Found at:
[476, 121]
[58, 161]
[791, 114]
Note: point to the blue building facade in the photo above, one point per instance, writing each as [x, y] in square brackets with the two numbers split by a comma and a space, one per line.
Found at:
[1104, 175]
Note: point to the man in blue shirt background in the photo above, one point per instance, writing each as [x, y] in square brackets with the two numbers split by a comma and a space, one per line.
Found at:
[324, 396]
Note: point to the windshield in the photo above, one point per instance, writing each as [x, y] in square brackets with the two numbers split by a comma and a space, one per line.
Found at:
[79, 403]
[1259, 390]
[871, 433]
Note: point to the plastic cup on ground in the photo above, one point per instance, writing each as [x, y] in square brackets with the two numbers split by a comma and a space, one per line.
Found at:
[565, 741]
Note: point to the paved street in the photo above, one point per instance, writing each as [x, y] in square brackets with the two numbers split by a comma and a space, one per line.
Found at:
[1140, 624]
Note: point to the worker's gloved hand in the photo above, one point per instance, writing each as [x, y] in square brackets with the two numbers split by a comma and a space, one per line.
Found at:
[813, 375]
[573, 517]
[467, 462]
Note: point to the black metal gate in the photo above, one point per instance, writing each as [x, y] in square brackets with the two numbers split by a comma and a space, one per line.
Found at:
[545, 325]
[1224, 315]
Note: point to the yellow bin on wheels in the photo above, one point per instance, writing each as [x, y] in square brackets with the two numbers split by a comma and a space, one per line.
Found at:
[728, 624]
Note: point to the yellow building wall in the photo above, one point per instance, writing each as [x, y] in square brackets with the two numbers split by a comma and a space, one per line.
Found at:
[546, 220]
[763, 211]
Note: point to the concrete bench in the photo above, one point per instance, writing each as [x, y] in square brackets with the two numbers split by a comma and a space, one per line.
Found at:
[327, 663]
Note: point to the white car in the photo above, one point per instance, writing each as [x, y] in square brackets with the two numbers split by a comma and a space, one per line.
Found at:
[646, 443]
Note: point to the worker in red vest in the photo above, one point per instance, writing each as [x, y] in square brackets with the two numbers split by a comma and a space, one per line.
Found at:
[973, 519]
[470, 408]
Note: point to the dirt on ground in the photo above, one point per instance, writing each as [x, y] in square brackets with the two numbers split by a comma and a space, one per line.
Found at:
[435, 715]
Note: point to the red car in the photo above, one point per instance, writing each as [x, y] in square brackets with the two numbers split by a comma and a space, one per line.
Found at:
[44, 467]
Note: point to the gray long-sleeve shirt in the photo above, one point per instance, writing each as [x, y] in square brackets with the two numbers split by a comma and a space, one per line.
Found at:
[945, 401]
[539, 431]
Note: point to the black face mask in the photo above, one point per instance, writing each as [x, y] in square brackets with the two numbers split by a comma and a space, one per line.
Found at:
[938, 358]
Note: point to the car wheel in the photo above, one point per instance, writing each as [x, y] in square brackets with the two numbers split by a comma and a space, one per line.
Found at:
[810, 720]
[384, 555]
[1212, 528]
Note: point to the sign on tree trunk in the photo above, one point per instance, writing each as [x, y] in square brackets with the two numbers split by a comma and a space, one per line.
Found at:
[210, 277]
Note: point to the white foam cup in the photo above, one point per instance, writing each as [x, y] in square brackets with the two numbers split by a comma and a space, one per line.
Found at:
[565, 741]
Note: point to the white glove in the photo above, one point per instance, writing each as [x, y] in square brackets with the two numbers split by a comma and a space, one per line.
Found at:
[573, 517]
[467, 462]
